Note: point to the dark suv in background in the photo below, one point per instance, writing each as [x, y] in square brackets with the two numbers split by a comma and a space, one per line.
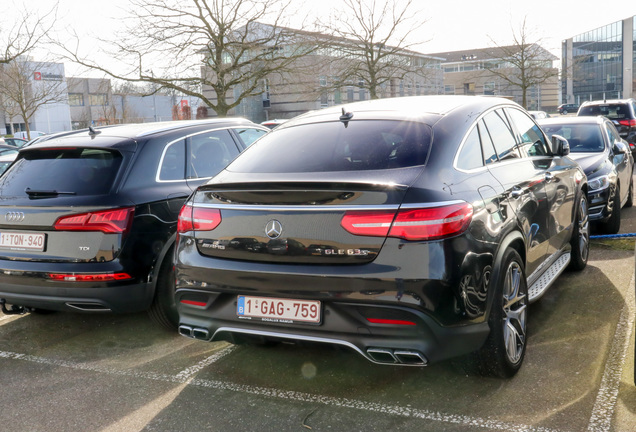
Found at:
[622, 112]
[88, 219]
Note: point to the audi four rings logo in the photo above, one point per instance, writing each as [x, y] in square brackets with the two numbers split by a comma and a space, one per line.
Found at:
[14, 216]
[273, 229]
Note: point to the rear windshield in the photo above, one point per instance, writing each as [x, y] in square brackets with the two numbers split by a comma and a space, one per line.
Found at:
[320, 147]
[582, 138]
[611, 111]
[68, 171]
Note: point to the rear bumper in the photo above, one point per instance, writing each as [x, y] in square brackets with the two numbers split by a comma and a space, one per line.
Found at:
[343, 323]
[32, 288]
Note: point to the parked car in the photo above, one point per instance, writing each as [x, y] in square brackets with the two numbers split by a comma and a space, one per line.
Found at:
[410, 230]
[8, 154]
[607, 161]
[24, 135]
[622, 112]
[15, 142]
[567, 108]
[90, 217]
[538, 114]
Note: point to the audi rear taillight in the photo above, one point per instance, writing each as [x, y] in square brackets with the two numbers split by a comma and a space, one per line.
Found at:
[108, 221]
[411, 224]
[627, 122]
[198, 219]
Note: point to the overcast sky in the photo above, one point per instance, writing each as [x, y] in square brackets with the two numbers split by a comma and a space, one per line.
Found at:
[452, 25]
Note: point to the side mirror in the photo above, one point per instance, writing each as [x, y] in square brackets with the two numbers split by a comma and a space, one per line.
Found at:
[620, 147]
[560, 146]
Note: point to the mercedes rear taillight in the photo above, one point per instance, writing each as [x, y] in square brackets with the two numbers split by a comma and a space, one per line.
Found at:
[198, 219]
[115, 221]
[411, 224]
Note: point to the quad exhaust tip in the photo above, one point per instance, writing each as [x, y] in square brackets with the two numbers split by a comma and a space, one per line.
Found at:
[397, 356]
[194, 332]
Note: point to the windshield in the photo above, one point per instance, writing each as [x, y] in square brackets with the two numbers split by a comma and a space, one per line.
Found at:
[611, 111]
[78, 171]
[338, 146]
[583, 138]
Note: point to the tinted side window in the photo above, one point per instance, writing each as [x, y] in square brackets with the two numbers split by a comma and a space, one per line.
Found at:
[532, 140]
[501, 135]
[209, 153]
[173, 162]
[490, 156]
[81, 171]
[470, 156]
[612, 133]
[334, 146]
[249, 135]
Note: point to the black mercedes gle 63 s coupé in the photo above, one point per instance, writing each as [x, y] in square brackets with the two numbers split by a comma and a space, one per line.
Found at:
[410, 230]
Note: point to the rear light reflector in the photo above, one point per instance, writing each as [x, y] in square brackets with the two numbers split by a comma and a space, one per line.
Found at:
[101, 277]
[390, 321]
[198, 219]
[194, 303]
[411, 224]
[107, 221]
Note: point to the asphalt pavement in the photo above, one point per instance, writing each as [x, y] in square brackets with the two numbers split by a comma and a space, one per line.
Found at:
[73, 372]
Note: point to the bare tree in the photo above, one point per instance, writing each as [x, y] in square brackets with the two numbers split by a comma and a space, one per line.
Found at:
[25, 88]
[27, 32]
[524, 64]
[377, 39]
[193, 45]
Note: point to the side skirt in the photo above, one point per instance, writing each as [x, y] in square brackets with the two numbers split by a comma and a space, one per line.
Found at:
[547, 278]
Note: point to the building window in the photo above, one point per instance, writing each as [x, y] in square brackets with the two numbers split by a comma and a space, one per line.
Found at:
[76, 99]
[323, 81]
[449, 89]
[99, 99]
[489, 88]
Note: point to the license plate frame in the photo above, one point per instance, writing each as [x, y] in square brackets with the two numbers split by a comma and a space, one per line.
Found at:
[12, 240]
[279, 310]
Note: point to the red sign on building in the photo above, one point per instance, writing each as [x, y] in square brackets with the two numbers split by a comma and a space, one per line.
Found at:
[37, 76]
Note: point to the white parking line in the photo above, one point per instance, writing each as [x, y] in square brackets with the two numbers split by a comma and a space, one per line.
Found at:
[192, 370]
[396, 410]
[605, 404]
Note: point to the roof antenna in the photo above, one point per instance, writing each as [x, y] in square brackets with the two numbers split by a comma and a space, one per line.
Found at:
[345, 117]
[92, 132]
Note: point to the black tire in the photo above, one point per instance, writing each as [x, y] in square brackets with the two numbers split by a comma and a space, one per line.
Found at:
[163, 309]
[564, 112]
[504, 350]
[630, 194]
[613, 223]
[580, 241]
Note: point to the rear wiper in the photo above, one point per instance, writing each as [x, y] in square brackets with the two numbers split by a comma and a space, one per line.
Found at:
[35, 193]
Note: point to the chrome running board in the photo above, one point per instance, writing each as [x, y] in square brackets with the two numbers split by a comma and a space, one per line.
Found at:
[540, 286]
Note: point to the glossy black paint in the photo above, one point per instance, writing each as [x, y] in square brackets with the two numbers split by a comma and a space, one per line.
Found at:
[526, 203]
[137, 184]
[603, 155]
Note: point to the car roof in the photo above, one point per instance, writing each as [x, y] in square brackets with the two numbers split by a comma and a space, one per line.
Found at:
[107, 136]
[607, 101]
[400, 108]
